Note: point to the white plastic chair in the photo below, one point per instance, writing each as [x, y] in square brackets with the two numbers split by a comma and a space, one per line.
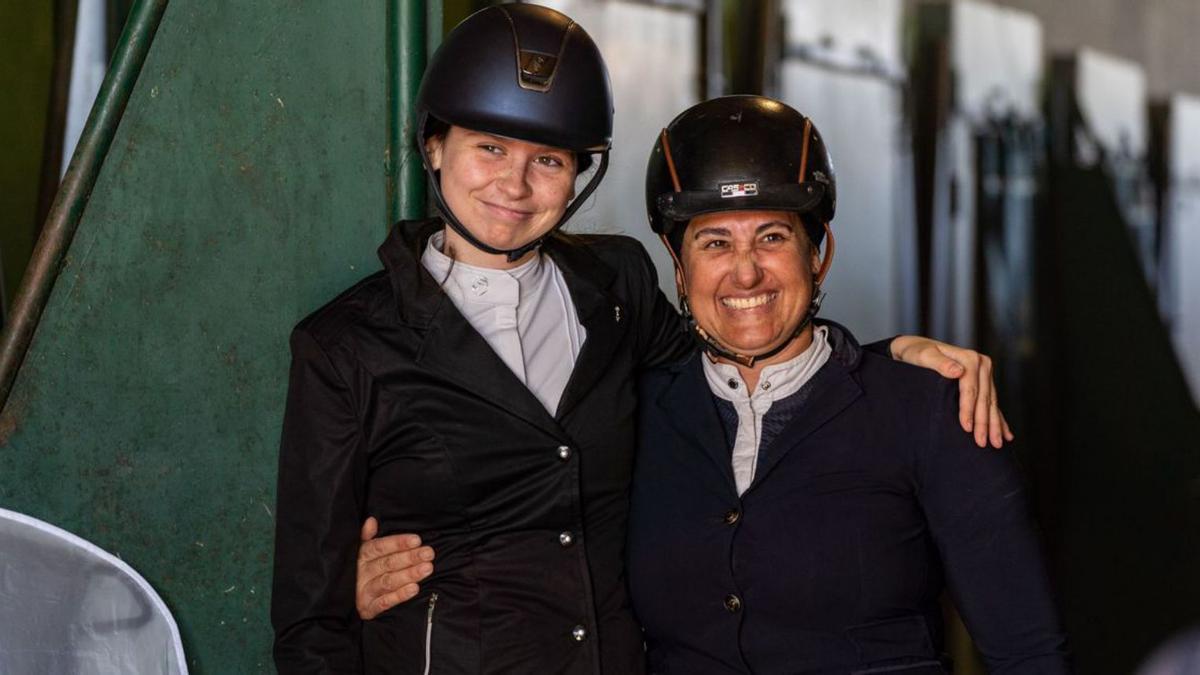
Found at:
[67, 606]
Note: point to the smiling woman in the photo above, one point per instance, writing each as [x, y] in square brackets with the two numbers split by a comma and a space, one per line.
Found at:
[818, 492]
[506, 192]
[748, 275]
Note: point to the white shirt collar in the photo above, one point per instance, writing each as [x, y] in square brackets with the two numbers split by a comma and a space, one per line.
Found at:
[472, 284]
[775, 382]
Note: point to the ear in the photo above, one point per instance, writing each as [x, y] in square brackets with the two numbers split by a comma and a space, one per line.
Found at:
[679, 286]
[433, 146]
[814, 258]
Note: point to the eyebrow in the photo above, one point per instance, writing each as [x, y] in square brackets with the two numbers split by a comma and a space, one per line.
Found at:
[724, 232]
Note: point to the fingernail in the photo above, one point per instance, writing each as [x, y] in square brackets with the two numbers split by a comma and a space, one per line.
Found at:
[424, 569]
[426, 554]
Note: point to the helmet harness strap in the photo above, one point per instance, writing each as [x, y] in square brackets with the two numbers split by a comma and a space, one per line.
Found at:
[510, 254]
[707, 342]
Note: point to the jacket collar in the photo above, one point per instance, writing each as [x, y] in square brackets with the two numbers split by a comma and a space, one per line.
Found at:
[688, 406]
[454, 349]
[419, 296]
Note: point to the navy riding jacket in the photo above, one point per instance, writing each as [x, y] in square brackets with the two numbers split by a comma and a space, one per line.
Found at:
[867, 505]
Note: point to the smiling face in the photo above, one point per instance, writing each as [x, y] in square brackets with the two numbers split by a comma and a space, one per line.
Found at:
[749, 279]
[507, 192]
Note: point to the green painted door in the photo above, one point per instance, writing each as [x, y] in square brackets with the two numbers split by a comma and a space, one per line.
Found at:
[250, 178]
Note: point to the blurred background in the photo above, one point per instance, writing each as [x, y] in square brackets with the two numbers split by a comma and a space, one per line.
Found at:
[182, 181]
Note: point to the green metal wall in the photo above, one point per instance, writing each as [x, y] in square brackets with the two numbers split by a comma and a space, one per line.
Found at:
[247, 183]
[26, 66]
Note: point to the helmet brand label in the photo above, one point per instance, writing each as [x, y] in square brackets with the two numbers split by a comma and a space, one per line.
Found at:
[739, 190]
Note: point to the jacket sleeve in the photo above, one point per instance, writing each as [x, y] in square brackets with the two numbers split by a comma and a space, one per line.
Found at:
[318, 507]
[662, 335]
[975, 505]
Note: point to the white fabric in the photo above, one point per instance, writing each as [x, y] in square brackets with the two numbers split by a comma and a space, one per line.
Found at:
[67, 606]
[524, 313]
[775, 382]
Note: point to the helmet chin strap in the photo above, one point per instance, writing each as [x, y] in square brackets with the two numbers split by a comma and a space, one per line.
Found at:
[512, 254]
[715, 349]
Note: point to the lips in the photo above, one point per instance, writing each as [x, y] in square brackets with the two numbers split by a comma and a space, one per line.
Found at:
[750, 302]
[507, 213]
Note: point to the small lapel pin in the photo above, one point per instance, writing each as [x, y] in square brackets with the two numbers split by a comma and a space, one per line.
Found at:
[617, 313]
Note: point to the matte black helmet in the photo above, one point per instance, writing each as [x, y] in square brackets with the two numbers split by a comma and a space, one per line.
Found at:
[520, 71]
[739, 153]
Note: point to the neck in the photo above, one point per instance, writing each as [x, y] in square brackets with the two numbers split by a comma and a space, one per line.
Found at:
[461, 250]
[750, 374]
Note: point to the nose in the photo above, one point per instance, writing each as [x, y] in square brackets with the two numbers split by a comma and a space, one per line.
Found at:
[513, 182]
[746, 270]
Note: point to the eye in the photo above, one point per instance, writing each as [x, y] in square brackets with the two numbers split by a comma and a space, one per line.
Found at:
[714, 244]
[490, 149]
[550, 161]
[775, 237]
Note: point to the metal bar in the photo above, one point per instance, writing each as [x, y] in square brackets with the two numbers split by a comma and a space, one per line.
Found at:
[76, 188]
[434, 26]
[714, 48]
[406, 62]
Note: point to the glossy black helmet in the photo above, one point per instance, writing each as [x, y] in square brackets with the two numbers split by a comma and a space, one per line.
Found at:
[739, 153]
[520, 71]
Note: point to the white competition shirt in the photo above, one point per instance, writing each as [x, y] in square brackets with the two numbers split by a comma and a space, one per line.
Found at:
[525, 314]
[776, 381]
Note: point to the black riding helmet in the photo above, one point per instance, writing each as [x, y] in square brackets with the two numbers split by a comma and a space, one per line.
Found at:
[520, 71]
[737, 153]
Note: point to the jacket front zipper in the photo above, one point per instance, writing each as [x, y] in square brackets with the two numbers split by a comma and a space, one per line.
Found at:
[429, 631]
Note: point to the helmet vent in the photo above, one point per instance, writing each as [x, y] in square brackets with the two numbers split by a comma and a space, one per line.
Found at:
[537, 70]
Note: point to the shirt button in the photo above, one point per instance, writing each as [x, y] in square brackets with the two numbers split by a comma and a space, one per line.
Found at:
[579, 633]
[733, 603]
[566, 539]
[732, 383]
[479, 285]
[766, 386]
[732, 516]
[564, 453]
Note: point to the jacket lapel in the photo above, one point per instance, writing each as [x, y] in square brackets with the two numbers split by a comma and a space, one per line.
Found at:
[604, 317]
[451, 348]
[833, 390]
[687, 405]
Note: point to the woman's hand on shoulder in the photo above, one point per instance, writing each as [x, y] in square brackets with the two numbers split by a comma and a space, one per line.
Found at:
[978, 409]
[389, 569]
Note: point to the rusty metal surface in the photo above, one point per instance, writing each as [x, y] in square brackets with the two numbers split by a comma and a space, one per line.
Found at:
[244, 186]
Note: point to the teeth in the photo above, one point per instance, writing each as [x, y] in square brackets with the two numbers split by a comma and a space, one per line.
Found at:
[748, 303]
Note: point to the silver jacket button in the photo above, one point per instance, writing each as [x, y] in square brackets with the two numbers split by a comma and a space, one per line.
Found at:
[564, 453]
[733, 603]
[566, 539]
[579, 633]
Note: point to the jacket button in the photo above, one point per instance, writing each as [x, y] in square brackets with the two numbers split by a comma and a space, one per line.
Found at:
[564, 453]
[566, 539]
[732, 516]
[579, 633]
[733, 603]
